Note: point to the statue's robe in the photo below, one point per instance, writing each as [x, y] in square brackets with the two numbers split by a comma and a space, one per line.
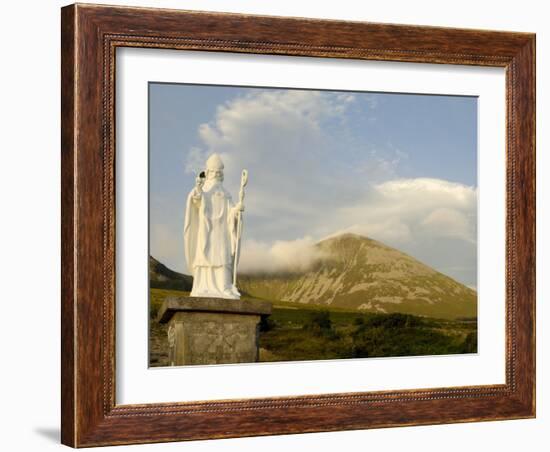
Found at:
[210, 239]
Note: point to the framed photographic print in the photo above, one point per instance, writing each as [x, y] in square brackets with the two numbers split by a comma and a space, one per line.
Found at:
[282, 225]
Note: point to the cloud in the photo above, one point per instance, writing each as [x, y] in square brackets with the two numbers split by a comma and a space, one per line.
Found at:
[380, 165]
[446, 222]
[405, 211]
[282, 256]
[270, 124]
[298, 161]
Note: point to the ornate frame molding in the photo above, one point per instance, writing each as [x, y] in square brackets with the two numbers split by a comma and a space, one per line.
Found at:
[90, 36]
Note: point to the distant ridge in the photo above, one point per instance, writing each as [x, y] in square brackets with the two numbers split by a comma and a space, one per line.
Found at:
[161, 277]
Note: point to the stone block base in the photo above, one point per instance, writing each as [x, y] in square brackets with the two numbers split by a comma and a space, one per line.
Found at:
[212, 330]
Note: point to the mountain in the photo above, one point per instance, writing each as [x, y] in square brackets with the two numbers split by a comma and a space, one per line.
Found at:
[161, 277]
[358, 273]
[355, 273]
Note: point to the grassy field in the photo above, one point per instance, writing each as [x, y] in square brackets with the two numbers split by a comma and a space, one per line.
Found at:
[309, 332]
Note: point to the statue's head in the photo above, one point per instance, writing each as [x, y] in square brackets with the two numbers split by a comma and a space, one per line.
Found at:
[214, 168]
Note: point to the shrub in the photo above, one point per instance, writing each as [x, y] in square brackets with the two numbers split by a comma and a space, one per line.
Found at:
[470, 344]
[267, 324]
[395, 320]
[319, 323]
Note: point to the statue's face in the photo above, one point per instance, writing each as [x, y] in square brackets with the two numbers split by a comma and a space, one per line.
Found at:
[214, 175]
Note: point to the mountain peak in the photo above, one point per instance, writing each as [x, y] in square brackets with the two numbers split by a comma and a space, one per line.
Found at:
[344, 236]
[357, 272]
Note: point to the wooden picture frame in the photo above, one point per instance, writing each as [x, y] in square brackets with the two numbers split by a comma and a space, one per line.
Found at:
[90, 36]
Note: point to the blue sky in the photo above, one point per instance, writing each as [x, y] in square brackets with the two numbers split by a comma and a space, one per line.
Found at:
[399, 168]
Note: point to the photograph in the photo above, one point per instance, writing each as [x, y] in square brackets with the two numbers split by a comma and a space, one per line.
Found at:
[296, 225]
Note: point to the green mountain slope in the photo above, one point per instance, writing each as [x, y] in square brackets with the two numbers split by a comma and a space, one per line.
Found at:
[358, 273]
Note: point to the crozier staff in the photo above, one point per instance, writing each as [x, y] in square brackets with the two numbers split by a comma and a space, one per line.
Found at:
[244, 181]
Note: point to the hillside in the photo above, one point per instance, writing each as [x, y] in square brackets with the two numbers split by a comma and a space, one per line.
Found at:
[362, 274]
[161, 277]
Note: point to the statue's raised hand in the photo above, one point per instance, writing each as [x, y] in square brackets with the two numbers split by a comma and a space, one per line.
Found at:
[199, 181]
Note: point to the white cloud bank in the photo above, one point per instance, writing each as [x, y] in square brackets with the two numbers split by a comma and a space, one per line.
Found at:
[282, 256]
[409, 210]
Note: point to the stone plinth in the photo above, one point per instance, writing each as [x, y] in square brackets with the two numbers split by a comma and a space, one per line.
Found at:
[212, 330]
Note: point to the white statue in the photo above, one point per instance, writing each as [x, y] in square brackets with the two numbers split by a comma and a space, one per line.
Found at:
[212, 233]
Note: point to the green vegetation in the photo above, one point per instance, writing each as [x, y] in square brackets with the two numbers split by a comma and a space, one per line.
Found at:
[157, 297]
[310, 332]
